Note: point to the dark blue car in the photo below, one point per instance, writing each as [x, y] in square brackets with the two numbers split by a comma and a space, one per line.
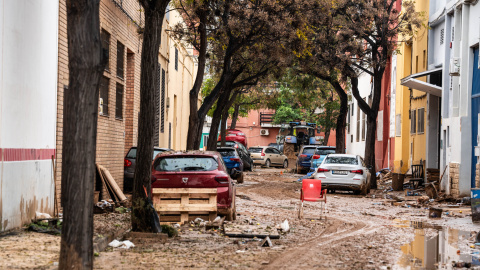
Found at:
[304, 158]
[232, 160]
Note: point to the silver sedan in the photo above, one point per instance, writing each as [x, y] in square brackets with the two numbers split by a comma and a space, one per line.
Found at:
[344, 172]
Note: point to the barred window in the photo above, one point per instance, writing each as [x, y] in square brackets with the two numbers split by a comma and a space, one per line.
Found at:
[119, 101]
[105, 37]
[162, 105]
[176, 59]
[120, 59]
[413, 122]
[421, 120]
[103, 96]
[156, 138]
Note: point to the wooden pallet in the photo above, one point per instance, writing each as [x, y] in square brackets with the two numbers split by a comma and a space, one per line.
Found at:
[180, 205]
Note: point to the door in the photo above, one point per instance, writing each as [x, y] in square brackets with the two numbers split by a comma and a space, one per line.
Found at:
[475, 111]
[278, 156]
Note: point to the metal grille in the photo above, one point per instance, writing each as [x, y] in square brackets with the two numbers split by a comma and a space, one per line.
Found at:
[105, 37]
[421, 120]
[442, 36]
[162, 105]
[170, 135]
[103, 101]
[176, 59]
[156, 138]
[119, 102]
[120, 59]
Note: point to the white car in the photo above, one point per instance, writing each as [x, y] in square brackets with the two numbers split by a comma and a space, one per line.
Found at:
[344, 172]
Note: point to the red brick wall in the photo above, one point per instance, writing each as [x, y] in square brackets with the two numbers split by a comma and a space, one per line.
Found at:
[114, 136]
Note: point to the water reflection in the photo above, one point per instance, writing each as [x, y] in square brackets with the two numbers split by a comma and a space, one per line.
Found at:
[435, 247]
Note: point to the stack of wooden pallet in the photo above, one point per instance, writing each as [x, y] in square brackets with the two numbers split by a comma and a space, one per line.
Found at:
[180, 205]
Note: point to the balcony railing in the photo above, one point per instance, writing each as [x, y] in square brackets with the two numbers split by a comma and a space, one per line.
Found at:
[266, 118]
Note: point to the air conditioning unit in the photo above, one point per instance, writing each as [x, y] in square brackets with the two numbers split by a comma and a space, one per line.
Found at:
[455, 66]
[264, 132]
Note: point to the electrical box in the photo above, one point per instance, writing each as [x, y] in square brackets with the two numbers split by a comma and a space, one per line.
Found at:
[455, 66]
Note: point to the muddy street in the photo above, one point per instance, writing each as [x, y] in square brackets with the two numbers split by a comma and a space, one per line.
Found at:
[356, 232]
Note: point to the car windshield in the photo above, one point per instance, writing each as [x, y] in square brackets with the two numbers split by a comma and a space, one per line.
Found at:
[324, 152]
[255, 150]
[132, 154]
[308, 151]
[341, 160]
[179, 164]
[227, 152]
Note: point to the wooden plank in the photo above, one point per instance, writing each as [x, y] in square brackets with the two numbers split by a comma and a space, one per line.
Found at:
[113, 184]
[184, 190]
[185, 208]
[178, 195]
[109, 194]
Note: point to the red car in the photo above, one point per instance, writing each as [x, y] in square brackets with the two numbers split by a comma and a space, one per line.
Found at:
[196, 169]
[236, 136]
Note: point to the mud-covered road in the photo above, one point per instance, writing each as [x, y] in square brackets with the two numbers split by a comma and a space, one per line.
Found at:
[358, 233]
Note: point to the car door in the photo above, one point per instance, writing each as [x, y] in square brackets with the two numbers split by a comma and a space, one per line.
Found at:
[269, 155]
[278, 156]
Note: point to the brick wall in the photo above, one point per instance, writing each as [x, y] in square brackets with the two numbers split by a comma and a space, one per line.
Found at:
[454, 177]
[115, 135]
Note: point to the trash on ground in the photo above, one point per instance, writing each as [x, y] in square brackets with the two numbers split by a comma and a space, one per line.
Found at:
[121, 244]
[285, 227]
[266, 242]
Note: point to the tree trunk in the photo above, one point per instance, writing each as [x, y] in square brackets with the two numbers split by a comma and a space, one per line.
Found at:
[86, 63]
[194, 124]
[224, 103]
[341, 119]
[223, 127]
[327, 135]
[370, 149]
[236, 112]
[154, 13]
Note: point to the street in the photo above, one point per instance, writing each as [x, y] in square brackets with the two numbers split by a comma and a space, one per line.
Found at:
[358, 233]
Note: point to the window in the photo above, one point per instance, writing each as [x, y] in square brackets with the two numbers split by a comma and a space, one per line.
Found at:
[424, 58]
[119, 101]
[398, 125]
[162, 104]
[176, 59]
[442, 36]
[413, 122]
[156, 138]
[416, 63]
[363, 124]
[358, 123]
[353, 107]
[120, 59]
[421, 120]
[105, 37]
[179, 164]
[103, 98]
[348, 123]
[341, 160]
[169, 135]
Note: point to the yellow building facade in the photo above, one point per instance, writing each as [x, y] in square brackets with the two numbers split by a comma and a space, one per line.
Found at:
[411, 105]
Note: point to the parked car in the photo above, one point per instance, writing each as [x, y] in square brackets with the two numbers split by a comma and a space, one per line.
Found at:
[243, 152]
[278, 146]
[234, 163]
[320, 153]
[303, 158]
[268, 156]
[196, 169]
[129, 166]
[344, 172]
[236, 136]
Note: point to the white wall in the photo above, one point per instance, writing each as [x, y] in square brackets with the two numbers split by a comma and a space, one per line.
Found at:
[364, 88]
[28, 84]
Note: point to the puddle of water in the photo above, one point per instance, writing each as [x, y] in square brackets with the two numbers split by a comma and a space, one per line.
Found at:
[436, 247]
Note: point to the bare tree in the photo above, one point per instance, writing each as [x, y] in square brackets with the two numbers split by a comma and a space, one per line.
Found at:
[86, 62]
[154, 15]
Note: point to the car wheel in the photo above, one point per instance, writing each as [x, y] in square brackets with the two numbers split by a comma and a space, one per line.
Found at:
[285, 164]
[267, 163]
[232, 212]
[240, 178]
[251, 167]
